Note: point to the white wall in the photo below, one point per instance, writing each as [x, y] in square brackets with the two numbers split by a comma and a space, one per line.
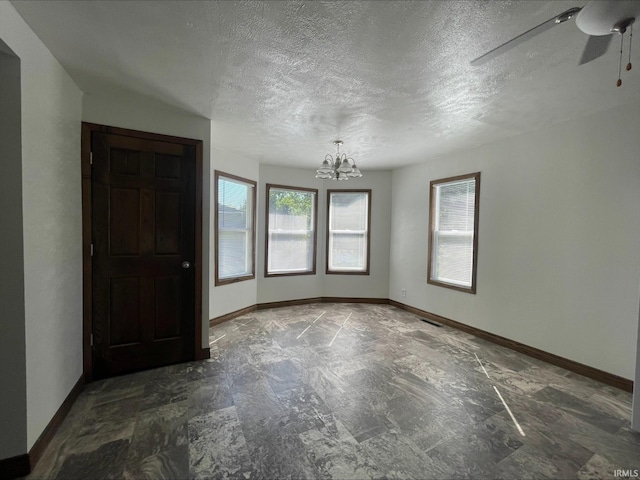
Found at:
[234, 296]
[137, 113]
[51, 204]
[558, 256]
[274, 289]
[374, 285]
[13, 406]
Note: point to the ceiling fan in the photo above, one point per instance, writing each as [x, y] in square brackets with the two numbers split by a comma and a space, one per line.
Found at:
[598, 19]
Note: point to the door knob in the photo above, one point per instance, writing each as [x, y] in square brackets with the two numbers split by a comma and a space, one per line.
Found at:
[186, 264]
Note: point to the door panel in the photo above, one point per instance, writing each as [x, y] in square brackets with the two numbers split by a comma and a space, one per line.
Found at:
[167, 307]
[167, 166]
[124, 219]
[124, 315]
[143, 229]
[168, 223]
[125, 162]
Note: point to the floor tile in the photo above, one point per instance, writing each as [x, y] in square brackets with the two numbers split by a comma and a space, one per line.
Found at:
[586, 411]
[159, 441]
[107, 461]
[337, 455]
[217, 448]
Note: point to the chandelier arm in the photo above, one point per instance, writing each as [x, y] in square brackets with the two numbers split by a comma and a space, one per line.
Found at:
[339, 167]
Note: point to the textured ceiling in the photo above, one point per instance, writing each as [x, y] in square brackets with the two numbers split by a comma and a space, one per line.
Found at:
[281, 80]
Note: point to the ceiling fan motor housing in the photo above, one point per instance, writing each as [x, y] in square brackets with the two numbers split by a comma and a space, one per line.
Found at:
[605, 18]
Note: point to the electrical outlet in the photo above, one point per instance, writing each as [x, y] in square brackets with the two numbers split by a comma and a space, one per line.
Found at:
[404, 293]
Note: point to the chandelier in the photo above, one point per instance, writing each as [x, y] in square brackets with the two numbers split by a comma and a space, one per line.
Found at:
[340, 168]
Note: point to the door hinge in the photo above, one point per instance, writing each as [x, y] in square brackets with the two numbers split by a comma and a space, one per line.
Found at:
[90, 158]
[91, 339]
[92, 249]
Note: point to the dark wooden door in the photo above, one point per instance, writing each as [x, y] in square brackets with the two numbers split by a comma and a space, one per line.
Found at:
[143, 234]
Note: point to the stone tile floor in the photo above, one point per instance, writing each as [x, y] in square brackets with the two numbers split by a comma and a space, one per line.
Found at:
[348, 391]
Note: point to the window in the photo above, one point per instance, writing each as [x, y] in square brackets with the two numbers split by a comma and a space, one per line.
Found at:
[234, 228]
[453, 232]
[291, 231]
[348, 231]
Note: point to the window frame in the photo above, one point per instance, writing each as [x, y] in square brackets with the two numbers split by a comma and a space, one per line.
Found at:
[367, 270]
[432, 220]
[226, 281]
[314, 191]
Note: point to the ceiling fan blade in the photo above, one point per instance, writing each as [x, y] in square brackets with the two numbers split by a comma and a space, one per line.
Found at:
[514, 42]
[595, 47]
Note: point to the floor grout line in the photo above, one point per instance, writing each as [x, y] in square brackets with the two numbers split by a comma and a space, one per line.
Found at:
[308, 327]
[211, 343]
[483, 369]
[501, 399]
[509, 412]
[345, 321]
[243, 324]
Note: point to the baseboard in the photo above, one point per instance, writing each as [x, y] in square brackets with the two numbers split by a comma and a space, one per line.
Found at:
[22, 465]
[289, 303]
[49, 431]
[230, 316]
[305, 301]
[579, 368]
[205, 353]
[14, 467]
[375, 301]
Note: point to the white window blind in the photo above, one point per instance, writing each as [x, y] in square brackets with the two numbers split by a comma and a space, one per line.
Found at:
[235, 228]
[452, 252]
[291, 231]
[348, 232]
